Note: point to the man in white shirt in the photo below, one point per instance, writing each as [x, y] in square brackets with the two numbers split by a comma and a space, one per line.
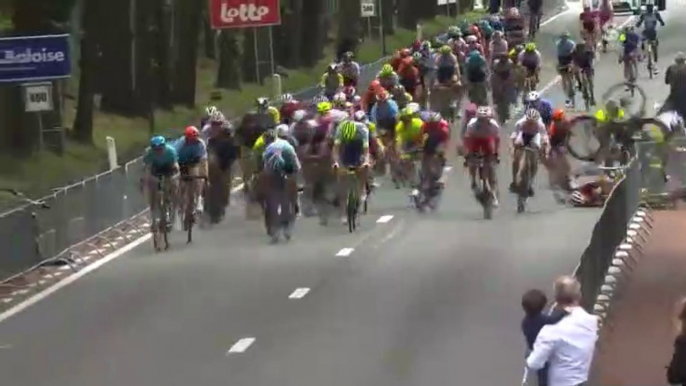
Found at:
[567, 346]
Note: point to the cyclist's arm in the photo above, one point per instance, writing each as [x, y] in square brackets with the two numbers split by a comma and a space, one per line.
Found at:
[640, 20]
[203, 159]
[399, 135]
[174, 158]
[659, 18]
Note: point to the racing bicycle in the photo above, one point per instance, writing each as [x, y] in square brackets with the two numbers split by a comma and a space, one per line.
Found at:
[190, 200]
[162, 217]
[525, 176]
[485, 190]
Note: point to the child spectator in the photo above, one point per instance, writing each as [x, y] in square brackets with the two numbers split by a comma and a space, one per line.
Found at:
[533, 303]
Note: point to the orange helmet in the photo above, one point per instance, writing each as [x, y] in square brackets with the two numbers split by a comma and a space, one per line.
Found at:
[405, 52]
[558, 114]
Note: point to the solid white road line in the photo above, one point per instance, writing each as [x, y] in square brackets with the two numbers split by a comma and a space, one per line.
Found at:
[299, 293]
[384, 219]
[241, 346]
[59, 285]
[345, 252]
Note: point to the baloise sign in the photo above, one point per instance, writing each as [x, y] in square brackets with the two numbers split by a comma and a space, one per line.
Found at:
[32, 58]
[244, 13]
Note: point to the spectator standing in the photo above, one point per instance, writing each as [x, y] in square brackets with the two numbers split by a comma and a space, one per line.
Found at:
[567, 346]
[675, 77]
[676, 372]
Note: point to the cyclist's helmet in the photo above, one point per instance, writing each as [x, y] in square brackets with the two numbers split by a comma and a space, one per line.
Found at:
[405, 52]
[426, 45]
[533, 96]
[446, 50]
[498, 34]
[262, 103]
[281, 131]
[532, 115]
[269, 136]
[299, 116]
[217, 118]
[435, 117]
[530, 47]
[587, 8]
[471, 39]
[612, 108]
[348, 56]
[158, 142]
[191, 133]
[474, 29]
[333, 67]
[287, 98]
[406, 113]
[348, 130]
[513, 12]
[558, 114]
[417, 56]
[483, 112]
[319, 99]
[209, 110]
[340, 98]
[519, 48]
[565, 35]
[382, 96]
[360, 116]
[413, 107]
[324, 107]
[650, 7]
[454, 32]
[386, 70]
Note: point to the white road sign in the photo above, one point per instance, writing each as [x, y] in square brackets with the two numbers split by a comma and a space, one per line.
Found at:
[368, 8]
[37, 97]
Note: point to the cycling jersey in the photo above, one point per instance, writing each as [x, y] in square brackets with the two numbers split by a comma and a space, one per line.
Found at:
[280, 157]
[331, 82]
[434, 134]
[530, 60]
[408, 135]
[350, 72]
[190, 153]
[649, 21]
[588, 20]
[529, 133]
[384, 111]
[161, 162]
[389, 81]
[672, 120]
[630, 42]
[351, 151]
[545, 108]
[338, 116]
[475, 68]
[584, 60]
[498, 47]
[603, 117]
[565, 48]
[481, 136]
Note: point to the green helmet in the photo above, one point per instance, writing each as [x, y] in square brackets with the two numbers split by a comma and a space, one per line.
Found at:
[445, 50]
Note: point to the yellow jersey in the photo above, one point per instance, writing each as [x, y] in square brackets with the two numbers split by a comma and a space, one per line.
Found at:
[603, 117]
[409, 134]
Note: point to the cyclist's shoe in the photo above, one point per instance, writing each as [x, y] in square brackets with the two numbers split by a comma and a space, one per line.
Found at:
[495, 202]
[200, 205]
[531, 192]
[513, 187]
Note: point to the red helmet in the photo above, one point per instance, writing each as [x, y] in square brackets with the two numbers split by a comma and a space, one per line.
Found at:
[405, 52]
[417, 45]
[474, 30]
[191, 132]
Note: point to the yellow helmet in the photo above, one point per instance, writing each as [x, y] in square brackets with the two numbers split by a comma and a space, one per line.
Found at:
[324, 107]
[530, 47]
[387, 69]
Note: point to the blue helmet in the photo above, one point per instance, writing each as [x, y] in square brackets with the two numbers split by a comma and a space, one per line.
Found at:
[157, 141]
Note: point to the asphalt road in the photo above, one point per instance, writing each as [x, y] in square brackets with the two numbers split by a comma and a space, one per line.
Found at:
[420, 300]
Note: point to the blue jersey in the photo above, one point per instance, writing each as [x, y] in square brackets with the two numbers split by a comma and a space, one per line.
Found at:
[384, 111]
[280, 157]
[190, 152]
[565, 48]
[631, 42]
[160, 160]
[545, 108]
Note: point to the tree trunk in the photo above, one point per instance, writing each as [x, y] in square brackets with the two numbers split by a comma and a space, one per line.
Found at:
[260, 62]
[349, 27]
[229, 69]
[389, 10]
[188, 19]
[209, 35]
[164, 39]
[293, 25]
[146, 64]
[408, 16]
[314, 36]
[83, 124]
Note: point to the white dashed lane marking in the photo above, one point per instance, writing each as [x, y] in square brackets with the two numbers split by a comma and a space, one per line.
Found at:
[299, 293]
[345, 252]
[384, 219]
[241, 346]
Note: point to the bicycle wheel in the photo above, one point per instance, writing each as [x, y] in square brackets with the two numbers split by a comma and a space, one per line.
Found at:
[523, 188]
[351, 209]
[633, 109]
[582, 142]
[648, 126]
[486, 194]
[188, 216]
[650, 60]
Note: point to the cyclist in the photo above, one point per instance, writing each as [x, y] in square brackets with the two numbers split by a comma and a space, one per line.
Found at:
[408, 139]
[589, 25]
[222, 153]
[607, 117]
[515, 52]
[530, 59]
[629, 55]
[514, 27]
[340, 101]
[279, 158]
[435, 134]
[565, 53]
[558, 165]
[583, 62]
[209, 112]
[192, 158]
[498, 46]
[266, 110]
[529, 132]
[387, 77]
[427, 64]
[289, 106]
[212, 125]
[332, 81]
[472, 42]
[543, 106]
[160, 160]
[399, 57]
[447, 71]
[476, 71]
[350, 70]
[351, 150]
[409, 75]
[385, 113]
[481, 136]
[400, 96]
[649, 19]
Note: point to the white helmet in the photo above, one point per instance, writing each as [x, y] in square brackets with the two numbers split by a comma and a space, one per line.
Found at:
[360, 116]
[340, 98]
[357, 99]
[533, 96]
[435, 117]
[282, 130]
[577, 198]
[471, 39]
[413, 107]
[209, 110]
[533, 115]
[287, 97]
[299, 115]
[483, 112]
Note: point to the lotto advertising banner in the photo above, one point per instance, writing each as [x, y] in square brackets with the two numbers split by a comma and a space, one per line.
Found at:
[31, 58]
[244, 13]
